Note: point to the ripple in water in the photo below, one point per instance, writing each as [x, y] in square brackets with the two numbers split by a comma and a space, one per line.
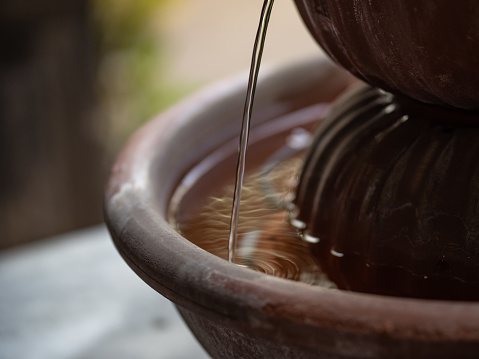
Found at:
[267, 242]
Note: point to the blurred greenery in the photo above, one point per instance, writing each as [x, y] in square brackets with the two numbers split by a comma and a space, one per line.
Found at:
[133, 65]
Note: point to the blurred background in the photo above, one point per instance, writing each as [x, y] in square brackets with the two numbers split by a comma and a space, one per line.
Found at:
[77, 77]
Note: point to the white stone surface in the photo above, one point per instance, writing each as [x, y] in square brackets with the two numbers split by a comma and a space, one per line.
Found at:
[73, 297]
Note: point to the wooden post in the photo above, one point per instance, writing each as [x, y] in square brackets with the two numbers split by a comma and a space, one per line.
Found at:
[51, 153]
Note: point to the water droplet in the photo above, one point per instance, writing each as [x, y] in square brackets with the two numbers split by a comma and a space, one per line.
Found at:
[299, 139]
[337, 254]
[296, 223]
[390, 108]
[309, 238]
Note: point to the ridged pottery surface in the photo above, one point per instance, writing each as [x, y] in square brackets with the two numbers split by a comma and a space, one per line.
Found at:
[391, 189]
[236, 312]
[424, 49]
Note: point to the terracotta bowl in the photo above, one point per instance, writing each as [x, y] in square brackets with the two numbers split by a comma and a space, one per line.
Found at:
[236, 312]
[400, 181]
[423, 49]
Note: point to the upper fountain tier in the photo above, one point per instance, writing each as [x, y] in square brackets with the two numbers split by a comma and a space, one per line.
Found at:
[427, 50]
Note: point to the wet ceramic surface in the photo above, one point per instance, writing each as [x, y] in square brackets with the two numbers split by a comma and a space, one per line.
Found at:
[236, 310]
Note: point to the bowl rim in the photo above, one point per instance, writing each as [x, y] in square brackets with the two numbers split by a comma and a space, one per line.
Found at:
[136, 198]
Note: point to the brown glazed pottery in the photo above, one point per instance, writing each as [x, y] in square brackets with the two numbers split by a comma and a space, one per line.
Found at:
[391, 189]
[236, 312]
[424, 49]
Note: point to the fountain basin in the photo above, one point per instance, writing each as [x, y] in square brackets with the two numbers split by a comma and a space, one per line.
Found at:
[236, 312]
